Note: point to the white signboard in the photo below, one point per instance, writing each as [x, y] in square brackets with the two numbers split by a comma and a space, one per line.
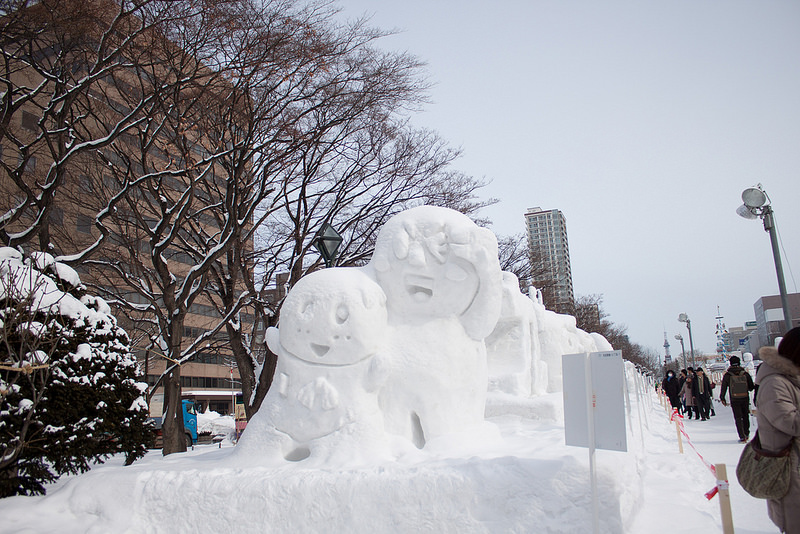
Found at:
[600, 375]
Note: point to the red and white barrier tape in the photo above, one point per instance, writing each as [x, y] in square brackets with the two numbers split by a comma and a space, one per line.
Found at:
[721, 484]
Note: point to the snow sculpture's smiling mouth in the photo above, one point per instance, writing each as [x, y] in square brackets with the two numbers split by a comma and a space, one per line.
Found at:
[419, 287]
[320, 350]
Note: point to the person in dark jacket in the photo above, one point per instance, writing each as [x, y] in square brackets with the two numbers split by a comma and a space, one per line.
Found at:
[778, 417]
[740, 401]
[671, 388]
[702, 393]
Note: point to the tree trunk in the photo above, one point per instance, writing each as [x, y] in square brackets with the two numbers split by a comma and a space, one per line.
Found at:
[247, 371]
[172, 424]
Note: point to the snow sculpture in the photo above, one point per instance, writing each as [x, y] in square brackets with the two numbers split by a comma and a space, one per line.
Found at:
[407, 346]
[748, 364]
[513, 346]
[442, 281]
[333, 325]
[559, 335]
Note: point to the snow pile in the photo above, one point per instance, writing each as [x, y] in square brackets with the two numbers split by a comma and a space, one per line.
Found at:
[211, 422]
[29, 280]
[525, 481]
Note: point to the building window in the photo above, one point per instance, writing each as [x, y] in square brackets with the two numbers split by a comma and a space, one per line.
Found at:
[56, 215]
[30, 165]
[84, 224]
[87, 184]
[30, 121]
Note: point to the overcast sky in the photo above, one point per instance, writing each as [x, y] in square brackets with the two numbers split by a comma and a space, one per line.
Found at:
[642, 121]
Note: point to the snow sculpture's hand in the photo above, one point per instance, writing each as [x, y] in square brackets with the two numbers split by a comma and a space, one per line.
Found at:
[319, 394]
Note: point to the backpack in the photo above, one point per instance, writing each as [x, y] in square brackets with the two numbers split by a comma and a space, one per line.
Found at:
[739, 389]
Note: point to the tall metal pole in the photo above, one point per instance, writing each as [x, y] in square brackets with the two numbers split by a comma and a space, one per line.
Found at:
[691, 344]
[769, 226]
[683, 352]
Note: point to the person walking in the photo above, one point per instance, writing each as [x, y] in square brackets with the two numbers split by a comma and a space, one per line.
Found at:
[681, 380]
[778, 417]
[672, 389]
[739, 382]
[702, 393]
[687, 393]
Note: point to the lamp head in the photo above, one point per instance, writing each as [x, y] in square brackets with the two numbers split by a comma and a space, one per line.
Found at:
[679, 337]
[754, 197]
[745, 212]
[683, 317]
[327, 242]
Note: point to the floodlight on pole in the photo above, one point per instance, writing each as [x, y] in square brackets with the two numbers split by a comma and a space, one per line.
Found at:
[685, 319]
[683, 350]
[757, 204]
[327, 242]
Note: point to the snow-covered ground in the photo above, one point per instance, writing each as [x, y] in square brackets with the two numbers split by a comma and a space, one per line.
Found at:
[522, 479]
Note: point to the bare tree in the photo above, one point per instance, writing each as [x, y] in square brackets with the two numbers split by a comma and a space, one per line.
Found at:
[515, 258]
[210, 159]
[57, 56]
[358, 163]
[543, 278]
[591, 317]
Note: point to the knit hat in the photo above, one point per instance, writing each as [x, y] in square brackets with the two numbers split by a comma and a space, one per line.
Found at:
[735, 360]
[789, 346]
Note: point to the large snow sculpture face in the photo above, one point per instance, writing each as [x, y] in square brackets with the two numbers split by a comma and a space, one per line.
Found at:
[333, 317]
[435, 262]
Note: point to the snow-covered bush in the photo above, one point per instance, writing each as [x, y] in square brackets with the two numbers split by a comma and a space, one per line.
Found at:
[68, 390]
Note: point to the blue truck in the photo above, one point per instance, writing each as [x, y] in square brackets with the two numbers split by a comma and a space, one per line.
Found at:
[189, 425]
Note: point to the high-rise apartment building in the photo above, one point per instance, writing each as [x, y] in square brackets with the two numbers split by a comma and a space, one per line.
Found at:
[552, 272]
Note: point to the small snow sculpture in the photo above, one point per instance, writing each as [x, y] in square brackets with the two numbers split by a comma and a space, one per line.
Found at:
[333, 326]
[513, 348]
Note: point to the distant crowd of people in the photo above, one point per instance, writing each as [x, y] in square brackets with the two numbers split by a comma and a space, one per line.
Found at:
[690, 393]
[777, 397]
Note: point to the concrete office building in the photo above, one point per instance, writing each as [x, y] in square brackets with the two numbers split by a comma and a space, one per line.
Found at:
[90, 179]
[552, 271]
[769, 317]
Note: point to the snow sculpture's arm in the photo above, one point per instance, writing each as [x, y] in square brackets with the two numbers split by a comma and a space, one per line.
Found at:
[274, 340]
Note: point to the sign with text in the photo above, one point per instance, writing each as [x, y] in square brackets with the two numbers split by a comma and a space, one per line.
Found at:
[599, 376]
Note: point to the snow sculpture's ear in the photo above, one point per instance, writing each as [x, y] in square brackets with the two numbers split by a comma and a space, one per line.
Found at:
[274, 340]
[482, 315]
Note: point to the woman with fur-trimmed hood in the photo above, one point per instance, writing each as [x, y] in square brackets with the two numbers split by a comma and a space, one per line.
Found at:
[778, 417]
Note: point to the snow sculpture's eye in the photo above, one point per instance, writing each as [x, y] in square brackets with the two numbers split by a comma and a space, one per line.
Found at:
[307, 309]
[400, 245]
[342, 314]
[459, 236]
[455, 273]
[437, 246]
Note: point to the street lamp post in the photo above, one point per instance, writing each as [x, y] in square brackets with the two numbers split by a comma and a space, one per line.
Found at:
[683, 351]
[757, 204]
[685, 319]
[327, 242]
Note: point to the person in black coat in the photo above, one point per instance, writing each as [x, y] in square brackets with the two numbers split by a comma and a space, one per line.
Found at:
[740, 400]
[702, 393]
[672, 389]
